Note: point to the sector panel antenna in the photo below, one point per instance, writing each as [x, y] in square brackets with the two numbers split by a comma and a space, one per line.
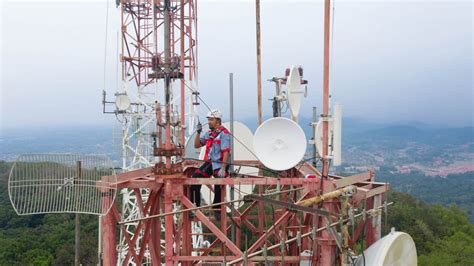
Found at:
[337, 134]
[294, 91]
[280, 143]
[62, 183]
[334, 136]
[318, 138]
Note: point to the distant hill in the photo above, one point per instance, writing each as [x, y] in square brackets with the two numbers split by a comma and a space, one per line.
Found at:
[453, 189]
[395, 131]
[365, 143]
[355, 128]
[431, 150]
[424, 135]
[76, 139]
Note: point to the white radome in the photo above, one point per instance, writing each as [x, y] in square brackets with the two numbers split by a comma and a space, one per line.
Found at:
[122, 102]
[396, 248]
[280, 143]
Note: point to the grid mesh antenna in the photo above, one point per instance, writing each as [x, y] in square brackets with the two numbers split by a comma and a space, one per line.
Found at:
[62, 183]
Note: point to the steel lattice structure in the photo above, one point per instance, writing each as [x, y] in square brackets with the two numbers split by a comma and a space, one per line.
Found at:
[142, 52]
[301, 214]
[282, 235]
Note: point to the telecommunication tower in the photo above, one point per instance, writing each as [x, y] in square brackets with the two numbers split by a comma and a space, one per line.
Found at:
[287, 211]
[158, 58]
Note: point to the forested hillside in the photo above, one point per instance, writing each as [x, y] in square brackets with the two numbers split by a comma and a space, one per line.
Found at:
[453, 189]
[42, 239]
[443, 235]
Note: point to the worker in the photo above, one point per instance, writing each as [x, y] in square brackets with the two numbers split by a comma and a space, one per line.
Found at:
[216, 158]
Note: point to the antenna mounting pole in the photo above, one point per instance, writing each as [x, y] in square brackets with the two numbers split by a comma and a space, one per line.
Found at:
[327, 15]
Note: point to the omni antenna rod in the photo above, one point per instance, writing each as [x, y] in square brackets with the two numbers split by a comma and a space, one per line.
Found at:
[259, 63]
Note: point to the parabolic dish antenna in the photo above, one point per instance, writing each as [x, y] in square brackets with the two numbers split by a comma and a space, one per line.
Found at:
[396, 248]
[122, 102]
[280, 143]
[294, 91]
[62, 183]
[243, 136]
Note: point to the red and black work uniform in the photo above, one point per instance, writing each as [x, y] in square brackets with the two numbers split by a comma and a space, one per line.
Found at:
[217, 142]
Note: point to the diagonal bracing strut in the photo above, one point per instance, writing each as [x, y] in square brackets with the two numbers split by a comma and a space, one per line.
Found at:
[290, 206]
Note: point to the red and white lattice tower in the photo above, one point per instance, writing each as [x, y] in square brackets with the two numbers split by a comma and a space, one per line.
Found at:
[142, 58]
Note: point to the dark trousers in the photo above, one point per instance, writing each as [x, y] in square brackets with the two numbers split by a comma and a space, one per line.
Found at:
[205, 171]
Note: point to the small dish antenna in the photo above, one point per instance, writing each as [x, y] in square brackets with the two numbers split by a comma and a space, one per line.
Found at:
[294, 91]
[280, 143]
[122, 102]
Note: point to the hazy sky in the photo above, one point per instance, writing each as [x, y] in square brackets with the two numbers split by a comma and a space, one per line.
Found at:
[392, 60]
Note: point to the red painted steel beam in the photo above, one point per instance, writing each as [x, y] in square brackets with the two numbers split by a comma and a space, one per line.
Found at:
[169, 225]
[151, 199]
[325, 239]
[108, 239]
[154, 241]
[214, 229]
[261, 240]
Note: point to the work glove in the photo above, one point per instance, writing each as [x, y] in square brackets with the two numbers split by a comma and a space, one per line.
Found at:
[199, 128]
[221, 172]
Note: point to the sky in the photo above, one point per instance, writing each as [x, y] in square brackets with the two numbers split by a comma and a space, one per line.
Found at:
[391, 60]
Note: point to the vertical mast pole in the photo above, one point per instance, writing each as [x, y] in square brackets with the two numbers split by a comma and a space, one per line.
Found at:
[181, 66]
[167, 71]
[327, 15]
[259, 63]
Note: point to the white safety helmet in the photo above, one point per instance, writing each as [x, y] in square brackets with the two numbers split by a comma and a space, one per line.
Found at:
[215, 113]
